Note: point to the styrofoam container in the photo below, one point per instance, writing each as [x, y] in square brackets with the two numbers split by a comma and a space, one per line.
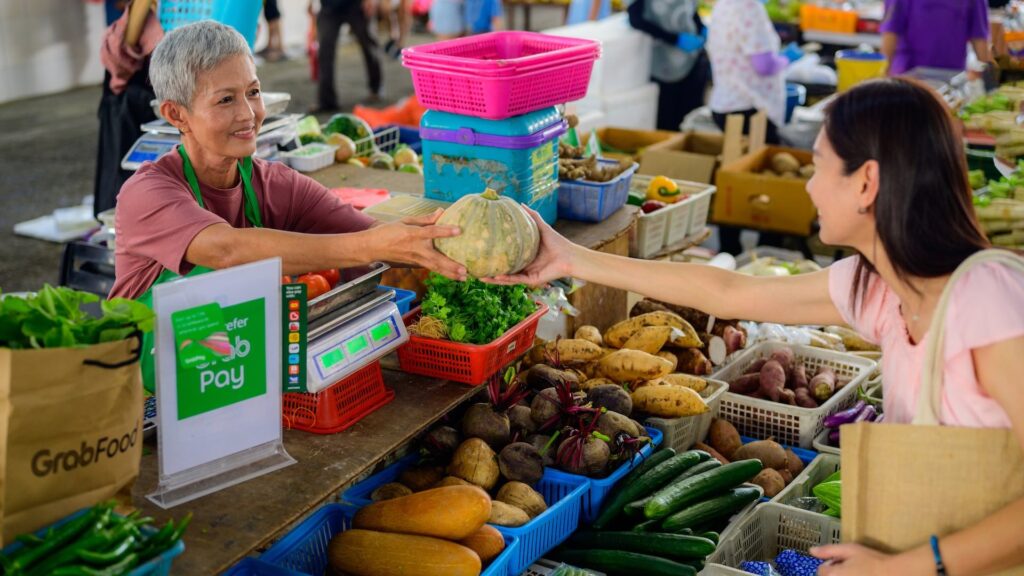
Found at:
[790, 425]
[682, 433]
[626, 54]
[636, 108]
[310, 158]
[770, 529]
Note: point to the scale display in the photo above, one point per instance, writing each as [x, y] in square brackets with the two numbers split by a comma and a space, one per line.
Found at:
[148, 149]
[353, 345]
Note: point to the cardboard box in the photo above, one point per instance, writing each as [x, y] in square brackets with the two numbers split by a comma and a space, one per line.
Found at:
[694, 158]
[749, 199]
[628, 144]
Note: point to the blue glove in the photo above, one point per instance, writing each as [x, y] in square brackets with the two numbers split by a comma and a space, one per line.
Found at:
[691, 42]
[792, 52]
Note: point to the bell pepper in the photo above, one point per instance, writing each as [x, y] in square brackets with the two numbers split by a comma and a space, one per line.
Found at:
[664, 190]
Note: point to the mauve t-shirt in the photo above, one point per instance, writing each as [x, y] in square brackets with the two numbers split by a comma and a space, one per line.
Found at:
[934, 33]
[158, 216]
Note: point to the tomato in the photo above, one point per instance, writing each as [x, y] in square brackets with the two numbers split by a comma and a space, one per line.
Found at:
[287, 280]
[315, 285]
[333, 276]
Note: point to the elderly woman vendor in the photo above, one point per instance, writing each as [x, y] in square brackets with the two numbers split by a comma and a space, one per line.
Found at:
[210, 205]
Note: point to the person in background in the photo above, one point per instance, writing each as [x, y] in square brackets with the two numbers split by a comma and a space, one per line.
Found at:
[484, 16]
[274, 51]
[390, 14]
[934, 34]
[357, 14]
[584, 10]
[447, 19]
[678, 64]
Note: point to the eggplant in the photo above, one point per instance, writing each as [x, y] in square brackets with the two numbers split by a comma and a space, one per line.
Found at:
[867, 414]
[833, 437]
[846, 416]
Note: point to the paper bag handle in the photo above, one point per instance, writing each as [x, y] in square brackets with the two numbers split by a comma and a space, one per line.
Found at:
[135, 357]
[929, 399]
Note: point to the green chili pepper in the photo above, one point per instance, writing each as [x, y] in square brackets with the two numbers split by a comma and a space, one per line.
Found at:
[109, 557]
[98, 538]
[30, 540]
[61, 536]
[122, 567]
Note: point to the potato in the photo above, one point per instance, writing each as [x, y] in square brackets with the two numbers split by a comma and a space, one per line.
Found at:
[487, 542]
[807, 171]
[612, 397]
[521, 462]
[671, 357]
[724, 437]
[714, 453]
[786, 475]
[420, 478]
[523, 497]
[770, 481]
[769, 452]
[617, 335]
[686, 381]
[504, 514]
[631, 365]
[668, 401]
[693, 361]
[785, 162]
[650, 339]
[793, 463]
[389, 491]
[452, 481]
[590, 334]
[475, 462]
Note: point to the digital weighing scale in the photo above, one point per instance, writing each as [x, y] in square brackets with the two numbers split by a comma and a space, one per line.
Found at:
[351, 326]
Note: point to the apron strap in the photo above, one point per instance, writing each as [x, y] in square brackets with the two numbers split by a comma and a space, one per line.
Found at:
[250, 204]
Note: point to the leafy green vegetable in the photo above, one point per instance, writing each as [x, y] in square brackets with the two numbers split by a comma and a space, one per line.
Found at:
[53, 318]
[475, 312]
[829, 493]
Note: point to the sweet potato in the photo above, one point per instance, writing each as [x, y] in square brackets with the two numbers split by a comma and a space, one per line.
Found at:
[769, 452]
[773, 380]
[786, 358]
[755, 366]
[723, 437]
[668, 401]
[714, 453]
[594, 383]
[799, 379]
[793, 463]
[671, 357]
[630, 365]
[746, 384]
[574, 350]
[650, 339]
[612, 397]
[787, 396]
[804, 398]
[590, 334]
[734, 339]
[686, 381]
[692, 361]
[853, 341]
[823, 385]
[770, 481]
[617, 335]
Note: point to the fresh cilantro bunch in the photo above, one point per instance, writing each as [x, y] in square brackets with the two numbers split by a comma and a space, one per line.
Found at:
[53, 318]
[475, 312]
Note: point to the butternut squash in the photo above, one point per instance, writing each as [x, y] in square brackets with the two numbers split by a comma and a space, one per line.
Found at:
[487, 542]
[450, 512]
[369, 553]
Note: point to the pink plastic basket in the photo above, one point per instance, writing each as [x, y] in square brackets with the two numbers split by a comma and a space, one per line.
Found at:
[467, 76]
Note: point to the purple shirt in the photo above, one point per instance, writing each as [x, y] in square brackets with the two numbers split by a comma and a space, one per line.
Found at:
[934, 33]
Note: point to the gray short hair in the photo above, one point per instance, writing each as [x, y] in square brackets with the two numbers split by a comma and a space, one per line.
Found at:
[185, 52]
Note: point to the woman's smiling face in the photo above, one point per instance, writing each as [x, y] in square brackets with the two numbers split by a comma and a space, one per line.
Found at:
[837, 196]
[227, 108]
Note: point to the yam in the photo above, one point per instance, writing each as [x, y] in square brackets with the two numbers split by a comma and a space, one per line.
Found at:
[475, 462]
[668, 401]
[649, 339]
[723, 437]
[770, 481]
[487, 542]
[389, 491]
[507, 515]
[617, 335]
[524, 497]
[686, 381]
[420, 478]
[769, 452]
[671, 357]
[717, 350]
[632, 365]
[590, 334]
[793, 463]
[612, 397]
[714, 453]
[746, 384]
[521, 462]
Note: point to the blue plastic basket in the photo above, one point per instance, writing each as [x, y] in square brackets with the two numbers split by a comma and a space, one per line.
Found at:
[601, 487]
[587, 201]
[242, 15]
[254, 567]
[403, 299]
[159, 566]
[564, 494]
[303, 551]
[408, 135]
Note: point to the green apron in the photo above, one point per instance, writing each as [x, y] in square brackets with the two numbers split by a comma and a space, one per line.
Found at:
[251, 209]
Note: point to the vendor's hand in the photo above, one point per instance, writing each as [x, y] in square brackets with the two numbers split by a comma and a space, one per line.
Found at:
[411, 241]
[851, 560]
[553, 259]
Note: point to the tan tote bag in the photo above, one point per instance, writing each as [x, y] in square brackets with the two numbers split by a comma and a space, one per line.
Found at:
[902, 483]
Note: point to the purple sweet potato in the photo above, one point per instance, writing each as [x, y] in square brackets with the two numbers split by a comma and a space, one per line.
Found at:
[786, 359]
[755, 368]
[799, 379]
[745, 384]
[773, 380]
[804, 398]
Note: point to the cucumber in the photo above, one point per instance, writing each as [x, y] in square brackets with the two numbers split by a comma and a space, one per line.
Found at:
[635, 509]
[617, 562]
[686, 532]
[626, 491]
[713, 536]
[675, 497]
[699, 469]
[647, 526]
[672, 546]
[718, 507]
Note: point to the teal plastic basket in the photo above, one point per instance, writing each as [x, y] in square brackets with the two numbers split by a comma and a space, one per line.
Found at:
[303, 551]
[517, 157]
[242, 15]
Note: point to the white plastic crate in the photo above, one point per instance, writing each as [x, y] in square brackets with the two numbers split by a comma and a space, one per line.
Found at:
[820, 468]
[673, 223]
[636, 108]
[872, 388]
[790, 425]
[626, 53]
[682, 433]
[821, 444]
[770, 529]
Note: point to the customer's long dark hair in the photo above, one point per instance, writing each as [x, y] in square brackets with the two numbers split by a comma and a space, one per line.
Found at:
[923, 212]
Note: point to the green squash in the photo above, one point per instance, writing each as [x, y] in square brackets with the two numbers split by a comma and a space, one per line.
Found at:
[498, 236]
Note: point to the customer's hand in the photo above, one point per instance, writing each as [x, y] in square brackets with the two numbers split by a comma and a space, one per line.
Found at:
[411, 241]
[852, 560]
[553, 259]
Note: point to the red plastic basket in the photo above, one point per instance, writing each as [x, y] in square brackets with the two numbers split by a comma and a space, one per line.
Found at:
[341, 405]
[466, 363]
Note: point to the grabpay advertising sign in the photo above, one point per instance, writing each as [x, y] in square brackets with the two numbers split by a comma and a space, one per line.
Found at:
[218, 376]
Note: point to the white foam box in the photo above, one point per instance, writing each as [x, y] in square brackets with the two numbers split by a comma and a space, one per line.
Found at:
[636, 109]
[625, 61]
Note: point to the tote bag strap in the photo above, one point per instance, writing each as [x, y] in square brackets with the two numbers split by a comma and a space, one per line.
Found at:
[929, 399]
